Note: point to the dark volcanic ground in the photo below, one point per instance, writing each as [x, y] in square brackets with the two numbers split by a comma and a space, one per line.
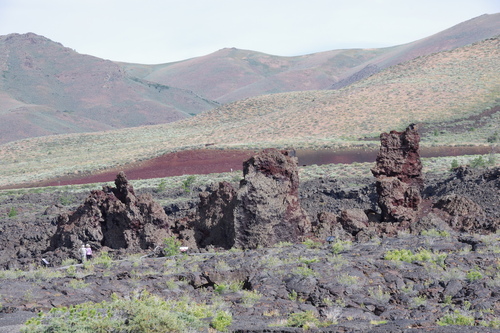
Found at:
[349, 283]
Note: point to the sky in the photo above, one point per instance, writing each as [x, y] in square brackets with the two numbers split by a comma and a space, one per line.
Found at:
[162, 31]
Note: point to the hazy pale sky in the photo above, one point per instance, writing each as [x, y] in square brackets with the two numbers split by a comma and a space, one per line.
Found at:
[160, 31]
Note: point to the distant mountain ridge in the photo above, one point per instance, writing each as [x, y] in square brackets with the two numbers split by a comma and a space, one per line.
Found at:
[229, 75]
[48, 89]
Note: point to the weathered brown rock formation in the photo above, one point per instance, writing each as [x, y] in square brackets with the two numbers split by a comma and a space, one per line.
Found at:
[399, 175]
[264, 210]
[353, 220]
[115, 218]
[463, 213]
[215, 221]
[267, 209]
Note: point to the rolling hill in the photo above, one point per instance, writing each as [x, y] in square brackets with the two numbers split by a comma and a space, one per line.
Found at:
[229, 75]
[47, 89]
[453, 95]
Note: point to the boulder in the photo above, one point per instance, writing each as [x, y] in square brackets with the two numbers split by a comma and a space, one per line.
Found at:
[463, 213]
[353, 220]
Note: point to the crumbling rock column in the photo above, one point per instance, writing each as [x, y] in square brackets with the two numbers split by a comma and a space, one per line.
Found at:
[214, 224]
[267, 209]
[115, 218]
[399, 175]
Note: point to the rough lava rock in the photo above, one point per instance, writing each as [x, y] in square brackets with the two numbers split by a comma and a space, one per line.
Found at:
[468, 199]
[267, 207]
[214, 224]
[114, 218]
[399, 175]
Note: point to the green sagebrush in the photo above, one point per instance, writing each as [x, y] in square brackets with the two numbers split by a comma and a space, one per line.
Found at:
[144, 312]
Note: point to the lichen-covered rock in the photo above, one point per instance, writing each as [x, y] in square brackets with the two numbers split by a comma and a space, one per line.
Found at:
[399, 175]
[267, 208]
[115, 218]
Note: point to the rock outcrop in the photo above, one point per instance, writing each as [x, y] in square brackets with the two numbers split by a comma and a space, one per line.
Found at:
[264, 210]
[399, 175]
[215, 217]
[114, 218]
[467, 200]
[267, 207]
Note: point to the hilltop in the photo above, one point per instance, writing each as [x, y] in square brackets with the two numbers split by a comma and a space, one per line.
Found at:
[231, 74]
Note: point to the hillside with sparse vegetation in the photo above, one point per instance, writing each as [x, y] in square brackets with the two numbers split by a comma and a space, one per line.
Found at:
[453, 96]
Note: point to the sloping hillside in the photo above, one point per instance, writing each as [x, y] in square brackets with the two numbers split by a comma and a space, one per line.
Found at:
[230, 74]
[446, 88]
[47, 89]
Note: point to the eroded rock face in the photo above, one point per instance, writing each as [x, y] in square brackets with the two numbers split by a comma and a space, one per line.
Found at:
[267, 209]
[115, 218]
[463, 213]
[353, 220]
[215, 221]
[399, 175]
[468, 199]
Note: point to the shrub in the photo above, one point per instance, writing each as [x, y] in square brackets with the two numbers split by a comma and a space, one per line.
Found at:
[408, 256]
[162, 186]
[474, 275]
[379, 295]
[415, 302]
[171, 246]
[12, 212]
[478, 162]
[311, 244]
[220, 288]
[347, 280]
[293, 296]
[456, 318]
[340, 246]
[454, 164]
[69, 262]
[304, 271]
[65, 199]
[103, 259]
[141, 313]
[250, 297]
[188, 182]
[78, 284]
[305, 320]
[222, 320]
[435, 233]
